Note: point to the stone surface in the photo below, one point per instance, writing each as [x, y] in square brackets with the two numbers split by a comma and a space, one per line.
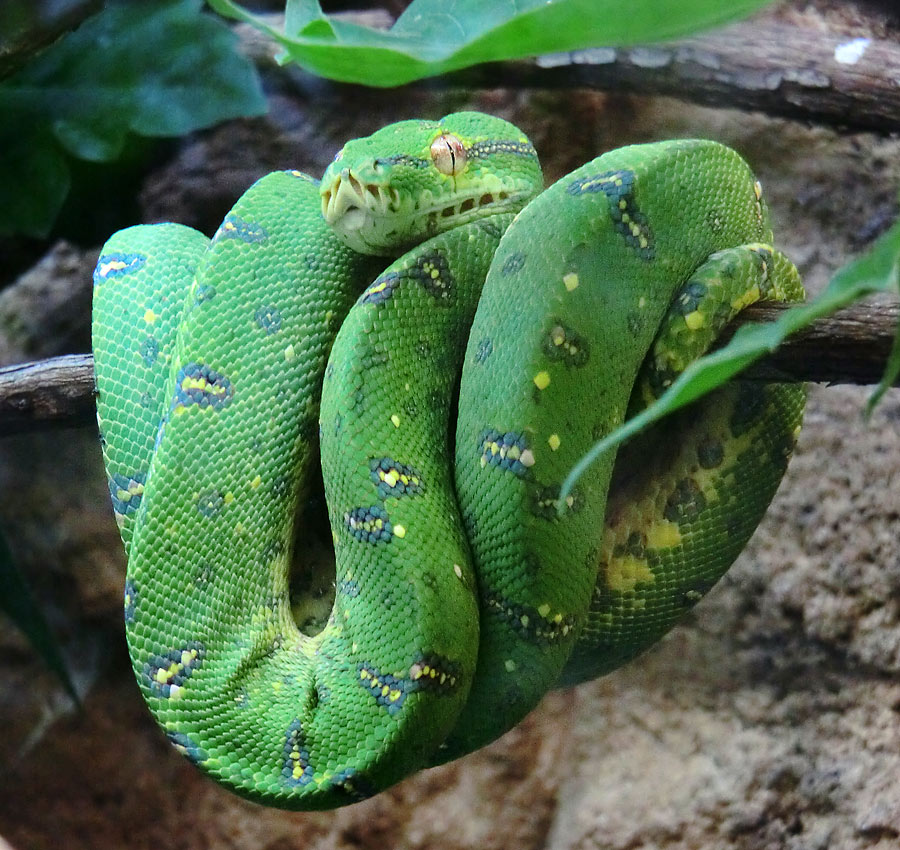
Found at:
[769, 719]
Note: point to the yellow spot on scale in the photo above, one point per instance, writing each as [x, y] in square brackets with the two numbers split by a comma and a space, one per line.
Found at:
[256, 482]
[289, 352]
[149, 316]
[571, 281]
[111, 266]
[228, 498]
[663, 535]
[510, 665]
[544, 610]
[399, 531]
[542, 380]
[751, 296]
[553, 442]
[623, 574]
[695, 320]
[395, 419]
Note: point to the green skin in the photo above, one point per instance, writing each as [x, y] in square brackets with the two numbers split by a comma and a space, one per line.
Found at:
[460, 595]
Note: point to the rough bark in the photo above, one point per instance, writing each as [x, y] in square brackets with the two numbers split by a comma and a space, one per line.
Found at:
[850, 347]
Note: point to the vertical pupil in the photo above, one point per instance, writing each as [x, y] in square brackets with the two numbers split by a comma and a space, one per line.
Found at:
[448, 154]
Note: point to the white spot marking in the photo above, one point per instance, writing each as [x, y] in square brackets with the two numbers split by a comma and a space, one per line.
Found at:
[650, 57]
[850, 52]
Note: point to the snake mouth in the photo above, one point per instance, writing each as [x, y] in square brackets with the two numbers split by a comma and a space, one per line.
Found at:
[349, 204]
[372, 218]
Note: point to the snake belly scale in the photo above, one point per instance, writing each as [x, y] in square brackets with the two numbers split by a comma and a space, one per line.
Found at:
[461, 594]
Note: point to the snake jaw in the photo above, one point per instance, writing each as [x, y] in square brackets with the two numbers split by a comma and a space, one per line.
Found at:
[371, 218]
[358, 210]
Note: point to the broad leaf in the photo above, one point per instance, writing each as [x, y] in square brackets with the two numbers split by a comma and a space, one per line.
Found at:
[436, 36]
[157, 68]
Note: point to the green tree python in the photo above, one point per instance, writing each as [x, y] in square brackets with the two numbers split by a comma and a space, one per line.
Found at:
[447, 396]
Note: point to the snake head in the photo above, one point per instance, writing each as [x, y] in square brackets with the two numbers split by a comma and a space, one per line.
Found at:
[415, 179]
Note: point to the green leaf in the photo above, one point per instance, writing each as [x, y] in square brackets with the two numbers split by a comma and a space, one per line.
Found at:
[890, 376]
[155, 67]
[305, 17]
[874, 271]
[34, 177]
[18, 604]
[436, 36]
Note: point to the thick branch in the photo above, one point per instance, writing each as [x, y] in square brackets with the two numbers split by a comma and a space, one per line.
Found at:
[56, 391]
[774, 67]
[848, 348]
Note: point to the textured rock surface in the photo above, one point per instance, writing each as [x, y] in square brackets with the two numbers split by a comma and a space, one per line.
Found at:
[770, 719]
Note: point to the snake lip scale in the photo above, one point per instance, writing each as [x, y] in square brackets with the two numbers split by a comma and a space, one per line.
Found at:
[428, 275]
[355, 206]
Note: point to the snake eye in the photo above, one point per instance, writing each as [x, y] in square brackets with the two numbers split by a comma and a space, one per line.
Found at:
[448, 154]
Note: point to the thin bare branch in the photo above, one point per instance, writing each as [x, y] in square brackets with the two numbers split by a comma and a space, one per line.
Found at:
[848, 348]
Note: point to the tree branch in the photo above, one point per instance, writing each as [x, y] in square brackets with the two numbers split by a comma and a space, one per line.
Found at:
[766, 65]
[850, 347]
[775, 68]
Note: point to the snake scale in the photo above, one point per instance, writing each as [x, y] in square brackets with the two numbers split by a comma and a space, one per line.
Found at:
[445, 416]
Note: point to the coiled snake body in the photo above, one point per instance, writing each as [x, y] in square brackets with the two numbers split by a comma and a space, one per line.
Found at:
[461, 594]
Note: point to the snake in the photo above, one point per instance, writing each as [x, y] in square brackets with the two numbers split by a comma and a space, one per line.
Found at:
[434, 340]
